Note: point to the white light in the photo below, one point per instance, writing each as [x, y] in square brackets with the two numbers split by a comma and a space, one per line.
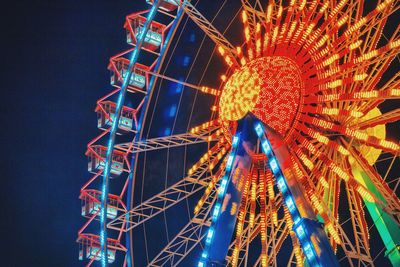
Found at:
[300, 232]
[235, 141]
[210, 234]
[259, 129]
[229, 162]
[266, 147]
[216, 211]
[274, 165]
[290, 204]
[282, 184]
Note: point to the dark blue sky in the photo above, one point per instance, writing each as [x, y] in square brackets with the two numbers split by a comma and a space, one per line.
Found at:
[56, 54]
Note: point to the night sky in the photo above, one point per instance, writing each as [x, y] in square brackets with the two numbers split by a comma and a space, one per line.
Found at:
[55, 56]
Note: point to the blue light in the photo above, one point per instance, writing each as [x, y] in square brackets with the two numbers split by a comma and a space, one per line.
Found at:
[216, 211]
[235, 141]
[300, 232]
[274, 165]
[201, 264]
[281, 184]
[223, 186]
[204, 255]
[229, 162]
[167, 131]
[296, 219]
[308, 251]
[172, 111]
[259, 129]
[290, 204]
[210, 235]
[192, 38]
[186, 61]
[266, 147]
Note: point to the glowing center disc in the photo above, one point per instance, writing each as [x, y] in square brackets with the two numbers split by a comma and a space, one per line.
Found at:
[268, 87]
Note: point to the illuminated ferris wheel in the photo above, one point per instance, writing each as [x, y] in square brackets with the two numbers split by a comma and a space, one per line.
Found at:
[289, 149]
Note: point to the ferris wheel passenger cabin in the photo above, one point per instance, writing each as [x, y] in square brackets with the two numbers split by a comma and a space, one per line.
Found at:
[97, 158]
[119, 70]
[154, 36]
[106, 114]
[91, 204]
[89, 247]
[166, 5]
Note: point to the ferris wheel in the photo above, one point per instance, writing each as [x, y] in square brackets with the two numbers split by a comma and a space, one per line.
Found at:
[275, 143]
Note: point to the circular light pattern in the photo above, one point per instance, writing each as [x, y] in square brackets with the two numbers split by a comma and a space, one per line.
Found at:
[240, 93]
[268, 87]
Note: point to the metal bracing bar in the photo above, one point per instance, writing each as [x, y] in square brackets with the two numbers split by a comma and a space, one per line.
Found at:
[188, 238]
[209, 29]
[391, 116]
[164, 200]
[173, 80]
[393, 203]
[359, 225]
[159, 203]
[166, 142]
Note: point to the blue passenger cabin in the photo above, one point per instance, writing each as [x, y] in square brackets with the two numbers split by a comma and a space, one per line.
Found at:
[91, 204]
[167, 5]
[95, 252]
[89, 247]
[106, 113]
[119, 71]
[97, 157]
[154, 36]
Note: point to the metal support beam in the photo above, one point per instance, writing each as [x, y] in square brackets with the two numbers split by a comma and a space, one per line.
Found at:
[188, 238]
[209, 29]
[167, 142]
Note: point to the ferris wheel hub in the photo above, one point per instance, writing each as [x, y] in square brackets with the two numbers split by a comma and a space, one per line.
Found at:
[268, 87]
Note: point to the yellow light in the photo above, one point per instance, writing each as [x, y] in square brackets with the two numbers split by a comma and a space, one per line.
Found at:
[384, 4]
[221, 50]
[269, 13]
[324, 7]
[322, 41]
[360, 77]
[323, 182]
[308, 163]
[367, 56]
[244, 16]
[342, 21]
[394, 44]
[365, 194]
[388, 144]
[356, 114]
[355, 45]
[258, 27]
[247, 33]
[370, 94]
[333, 233]
[335, 84]
[356, 26]
[394, 92]
[330, 60]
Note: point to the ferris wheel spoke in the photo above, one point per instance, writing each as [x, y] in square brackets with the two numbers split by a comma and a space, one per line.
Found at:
[209, 29]
[188, 238]
[359, 223]
[170, 141]
[181, 190]
[388, 117]
[386, 193]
